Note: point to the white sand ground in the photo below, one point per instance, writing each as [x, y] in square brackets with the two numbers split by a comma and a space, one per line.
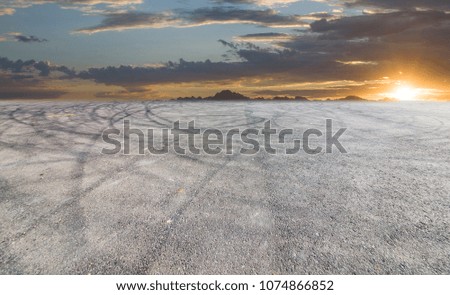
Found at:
[382, 208]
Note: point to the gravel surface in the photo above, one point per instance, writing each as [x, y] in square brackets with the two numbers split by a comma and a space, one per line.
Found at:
[381, 208]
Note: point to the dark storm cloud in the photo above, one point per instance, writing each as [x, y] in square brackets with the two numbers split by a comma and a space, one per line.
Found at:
[28, 39]
[402, 4]
[198, 17]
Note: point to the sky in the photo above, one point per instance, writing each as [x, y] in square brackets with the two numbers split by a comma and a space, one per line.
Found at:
[148, 49]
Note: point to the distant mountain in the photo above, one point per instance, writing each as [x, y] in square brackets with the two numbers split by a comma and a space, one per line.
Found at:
[297, 98]
[301, 98]
[235, 96]
[352, 98]
[388, 99]
[357, 98]
[228, 95]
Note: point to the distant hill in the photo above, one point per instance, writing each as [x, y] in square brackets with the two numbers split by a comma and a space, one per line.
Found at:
[228, 95]
[388, 99]
[287, 98]
[301, 98]
[223, 95]
[235, 96]
[352, 98]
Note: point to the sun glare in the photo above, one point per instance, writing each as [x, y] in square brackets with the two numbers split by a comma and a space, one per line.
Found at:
[405, 93]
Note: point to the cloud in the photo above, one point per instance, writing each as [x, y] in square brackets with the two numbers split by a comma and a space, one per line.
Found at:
[19, 37]
[84, 5]
[263, 37]
[40, 68]
[7, 11]
[376, 25]
[402, 4]
[32, 79]
[198, 17]
[268, 17]
[318, 16]
[401, 45]
[393, 37]
[278, 66]
[181, 71]
[28, 39]
[133, 20]
[25, 3]
[257, 2]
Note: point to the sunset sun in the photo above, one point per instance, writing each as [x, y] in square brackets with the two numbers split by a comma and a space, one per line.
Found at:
[405, 93]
